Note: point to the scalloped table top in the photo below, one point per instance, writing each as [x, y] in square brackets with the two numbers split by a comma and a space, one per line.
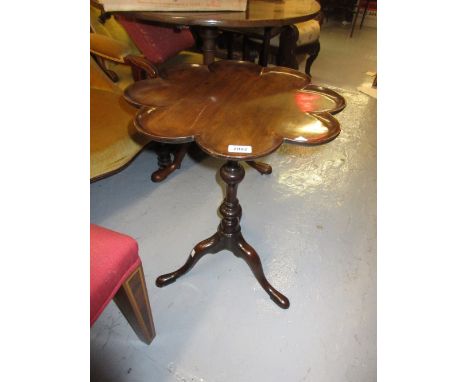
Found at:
[259, 13]
[235, 110]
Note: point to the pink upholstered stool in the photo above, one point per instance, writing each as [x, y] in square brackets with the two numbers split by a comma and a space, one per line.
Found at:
[116, 273]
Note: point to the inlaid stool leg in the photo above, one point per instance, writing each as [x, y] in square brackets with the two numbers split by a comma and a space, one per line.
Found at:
[228, 237]
[132, 300]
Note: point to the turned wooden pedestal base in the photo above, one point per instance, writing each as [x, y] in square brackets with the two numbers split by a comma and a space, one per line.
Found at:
[228, 237]
[166, 166]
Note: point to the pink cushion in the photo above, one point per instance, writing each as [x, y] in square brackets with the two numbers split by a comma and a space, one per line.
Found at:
[113, 259]
[155, 42]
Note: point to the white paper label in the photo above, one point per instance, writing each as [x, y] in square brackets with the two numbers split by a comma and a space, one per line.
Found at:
[240, 149]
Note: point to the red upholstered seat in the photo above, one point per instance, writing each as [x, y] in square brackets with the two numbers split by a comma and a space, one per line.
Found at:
[114, 257]
[155, 42]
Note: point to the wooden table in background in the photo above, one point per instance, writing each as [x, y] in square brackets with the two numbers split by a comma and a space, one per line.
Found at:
[259, 14]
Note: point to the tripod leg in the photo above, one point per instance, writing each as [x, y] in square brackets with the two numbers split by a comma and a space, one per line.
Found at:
[211, 245]
[262, 168]
[245, 251]
[169, 168]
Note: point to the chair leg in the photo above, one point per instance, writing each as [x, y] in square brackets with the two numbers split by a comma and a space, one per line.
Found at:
[102, 64]
[364, 14]
[313, 53]
[353, 24]
[132, 300]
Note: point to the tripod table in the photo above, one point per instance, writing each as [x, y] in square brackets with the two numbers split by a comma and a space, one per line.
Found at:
[234, 111]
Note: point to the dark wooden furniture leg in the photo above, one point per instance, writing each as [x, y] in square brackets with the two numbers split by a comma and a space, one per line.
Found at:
[208, 36]
[286, 55]
[102, 64]
[357, 14]
[132, 300]
[166, 166]
[364, 14]
[245, 48]
[230, 45]
[263, 60]
[353, 23]
[287, 51]
[228, 237]
[313, 51]
[262, 168]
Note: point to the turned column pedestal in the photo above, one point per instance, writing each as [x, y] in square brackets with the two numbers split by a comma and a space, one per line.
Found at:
[228, 237]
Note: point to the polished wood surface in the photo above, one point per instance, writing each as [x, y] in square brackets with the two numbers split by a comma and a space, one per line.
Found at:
[235, 103]
[259, 13]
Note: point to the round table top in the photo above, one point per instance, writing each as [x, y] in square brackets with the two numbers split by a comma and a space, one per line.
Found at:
[235, 110]
[259, 13]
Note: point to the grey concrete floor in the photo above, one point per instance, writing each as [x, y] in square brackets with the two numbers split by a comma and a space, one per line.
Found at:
[344, 61]
[313, 223]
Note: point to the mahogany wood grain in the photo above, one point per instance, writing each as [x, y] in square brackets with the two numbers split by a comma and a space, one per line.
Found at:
[234, 103]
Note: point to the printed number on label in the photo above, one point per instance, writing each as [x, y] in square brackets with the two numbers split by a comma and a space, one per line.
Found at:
[240, 149]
